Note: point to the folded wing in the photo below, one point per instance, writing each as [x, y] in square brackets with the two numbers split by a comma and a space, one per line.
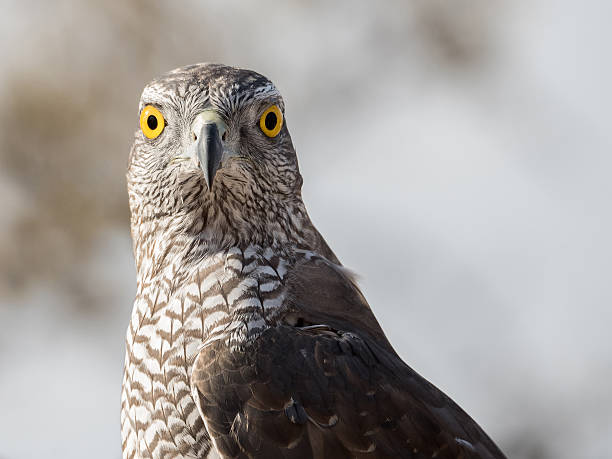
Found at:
[328, 384]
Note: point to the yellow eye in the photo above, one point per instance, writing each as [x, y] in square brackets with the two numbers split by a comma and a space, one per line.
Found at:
[151, 122]
[271, 121]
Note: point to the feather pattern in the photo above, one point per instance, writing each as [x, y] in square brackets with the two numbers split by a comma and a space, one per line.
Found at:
[247, 337]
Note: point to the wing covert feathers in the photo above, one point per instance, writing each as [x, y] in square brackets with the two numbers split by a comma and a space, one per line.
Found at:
[330, 391]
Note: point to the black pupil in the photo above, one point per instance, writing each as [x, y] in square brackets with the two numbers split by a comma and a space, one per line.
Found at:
[152, 122]
[271, 121]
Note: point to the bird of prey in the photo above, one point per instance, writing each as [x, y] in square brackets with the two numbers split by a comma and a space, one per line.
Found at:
[248, 338]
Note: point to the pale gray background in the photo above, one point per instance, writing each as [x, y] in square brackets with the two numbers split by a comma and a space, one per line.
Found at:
[456, 154]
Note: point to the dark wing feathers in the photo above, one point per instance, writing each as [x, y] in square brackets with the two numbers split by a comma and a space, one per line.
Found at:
[337, 391]
[325, 293]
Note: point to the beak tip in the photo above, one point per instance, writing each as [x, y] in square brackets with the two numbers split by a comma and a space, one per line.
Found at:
[210, 152]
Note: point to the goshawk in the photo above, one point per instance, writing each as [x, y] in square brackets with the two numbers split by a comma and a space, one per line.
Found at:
[248, 338]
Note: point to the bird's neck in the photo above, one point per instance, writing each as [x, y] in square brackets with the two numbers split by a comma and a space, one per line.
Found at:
[178, 225]
[171, 240]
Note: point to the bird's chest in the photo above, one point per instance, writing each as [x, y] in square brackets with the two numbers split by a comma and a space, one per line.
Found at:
[232, 297]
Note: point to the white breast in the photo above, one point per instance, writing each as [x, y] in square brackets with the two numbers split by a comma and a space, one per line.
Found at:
[230, 296]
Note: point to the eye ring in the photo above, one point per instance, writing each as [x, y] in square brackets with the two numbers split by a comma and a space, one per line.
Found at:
[152, 122]
[271, 121]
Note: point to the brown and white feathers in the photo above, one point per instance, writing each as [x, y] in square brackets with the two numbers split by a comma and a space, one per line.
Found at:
[247, 337]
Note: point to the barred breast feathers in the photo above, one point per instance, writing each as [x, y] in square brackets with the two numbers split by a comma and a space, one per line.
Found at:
[231, 295]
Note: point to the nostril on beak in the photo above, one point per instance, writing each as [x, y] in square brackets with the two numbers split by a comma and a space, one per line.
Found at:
[194, 136]
[224, 136]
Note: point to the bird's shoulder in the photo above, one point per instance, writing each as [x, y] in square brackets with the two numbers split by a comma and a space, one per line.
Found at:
[320, 291]
[325, 382]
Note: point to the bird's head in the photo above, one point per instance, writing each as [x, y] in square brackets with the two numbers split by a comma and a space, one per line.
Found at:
[213, 150]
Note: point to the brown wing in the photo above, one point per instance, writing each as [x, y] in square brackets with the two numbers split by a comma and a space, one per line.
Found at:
[332, 390]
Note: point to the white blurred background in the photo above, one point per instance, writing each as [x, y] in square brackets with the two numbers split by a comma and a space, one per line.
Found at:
[456, 154]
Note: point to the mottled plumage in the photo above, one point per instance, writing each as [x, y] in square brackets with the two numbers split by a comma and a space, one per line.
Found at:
[248, 338]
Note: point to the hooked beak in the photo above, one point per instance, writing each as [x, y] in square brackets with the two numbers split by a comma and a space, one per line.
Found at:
[207, 130]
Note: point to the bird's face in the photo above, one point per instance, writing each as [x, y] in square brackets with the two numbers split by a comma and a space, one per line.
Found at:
[214, 138]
